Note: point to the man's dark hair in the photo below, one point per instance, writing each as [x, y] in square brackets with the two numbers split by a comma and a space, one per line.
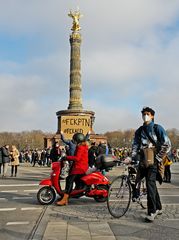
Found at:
[148, 109]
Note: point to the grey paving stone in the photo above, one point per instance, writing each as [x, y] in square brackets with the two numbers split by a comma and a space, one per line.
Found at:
[78, 229]
[56, 230]
[103, 238]
[100, 229]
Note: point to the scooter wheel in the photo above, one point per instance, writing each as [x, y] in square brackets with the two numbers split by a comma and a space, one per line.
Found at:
[46, 195]
[101, 198]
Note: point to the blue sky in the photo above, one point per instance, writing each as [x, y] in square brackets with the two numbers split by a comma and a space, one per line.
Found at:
[129, 59]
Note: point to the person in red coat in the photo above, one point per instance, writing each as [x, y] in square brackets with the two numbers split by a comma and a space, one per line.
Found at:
[79, 167]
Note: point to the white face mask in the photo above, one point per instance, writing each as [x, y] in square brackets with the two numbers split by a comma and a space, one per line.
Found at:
[146, 118]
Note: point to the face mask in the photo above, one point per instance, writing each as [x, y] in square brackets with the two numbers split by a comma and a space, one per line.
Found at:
[146, 118]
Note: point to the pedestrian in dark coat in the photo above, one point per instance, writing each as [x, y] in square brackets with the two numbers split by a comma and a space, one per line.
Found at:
[0, 160]
[92, 153]
[101, 149]
[55, 153]
[151, 138]
[35, 157]
[5, 159]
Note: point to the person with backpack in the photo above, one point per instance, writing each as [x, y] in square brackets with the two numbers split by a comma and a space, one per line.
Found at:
[150, 145]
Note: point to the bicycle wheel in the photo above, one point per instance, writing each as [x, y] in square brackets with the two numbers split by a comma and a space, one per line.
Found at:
[119, 196]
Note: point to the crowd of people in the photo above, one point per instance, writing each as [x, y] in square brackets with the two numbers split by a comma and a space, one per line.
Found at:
[36, 157]
[11, 156]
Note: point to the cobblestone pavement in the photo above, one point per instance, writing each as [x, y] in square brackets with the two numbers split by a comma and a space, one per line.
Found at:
[86, 219]
[99, 212]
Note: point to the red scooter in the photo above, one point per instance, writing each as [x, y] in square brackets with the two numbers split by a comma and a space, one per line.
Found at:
[94, 185]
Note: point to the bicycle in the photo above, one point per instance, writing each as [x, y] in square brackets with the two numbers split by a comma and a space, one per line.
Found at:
[121, 190]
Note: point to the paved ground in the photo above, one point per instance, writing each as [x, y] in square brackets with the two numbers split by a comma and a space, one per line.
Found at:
[86, 219]
[23, 218]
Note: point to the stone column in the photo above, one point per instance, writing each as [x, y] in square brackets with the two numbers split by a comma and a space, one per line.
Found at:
[75, 118]
[75, 101]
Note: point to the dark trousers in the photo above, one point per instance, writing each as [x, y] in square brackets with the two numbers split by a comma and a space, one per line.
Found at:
[70, 180]
[12, 169]
[167, 174]
[153, 198]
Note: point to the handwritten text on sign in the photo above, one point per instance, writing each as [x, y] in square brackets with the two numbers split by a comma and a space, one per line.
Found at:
[73, 124]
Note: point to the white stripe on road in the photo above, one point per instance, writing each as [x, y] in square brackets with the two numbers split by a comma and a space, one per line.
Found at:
[22, 209]
[7, 209]
[16, 223]
[162, 195]
[37, 176]
[31, 208]
[32, 190]
[19, 185]
[9, 191]
[16, 198]
[172, 219]
[165, 195]
[170, 204]
[15, 191]
[3, 199]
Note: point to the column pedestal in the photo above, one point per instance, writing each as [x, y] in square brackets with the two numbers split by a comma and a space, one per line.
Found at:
[72, 121]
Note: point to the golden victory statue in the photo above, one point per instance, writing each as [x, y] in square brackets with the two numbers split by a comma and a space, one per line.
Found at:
[76, 15]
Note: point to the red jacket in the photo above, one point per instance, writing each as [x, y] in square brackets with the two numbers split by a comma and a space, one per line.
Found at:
[80, 164]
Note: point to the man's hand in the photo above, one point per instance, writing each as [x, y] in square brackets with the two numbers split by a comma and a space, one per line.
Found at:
[61, 132]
